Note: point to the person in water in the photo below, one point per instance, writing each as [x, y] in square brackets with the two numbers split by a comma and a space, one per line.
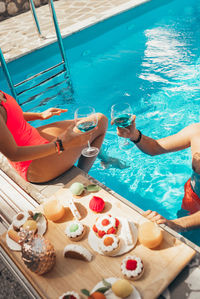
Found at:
[41, 154]
[187, 137]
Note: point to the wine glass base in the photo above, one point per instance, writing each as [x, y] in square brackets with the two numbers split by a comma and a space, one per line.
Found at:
[125, 145]
[90, 151]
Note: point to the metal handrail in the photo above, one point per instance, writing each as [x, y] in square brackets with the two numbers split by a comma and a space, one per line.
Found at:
[7, 74]
[61, 47]
[32, 6]
[59, 37]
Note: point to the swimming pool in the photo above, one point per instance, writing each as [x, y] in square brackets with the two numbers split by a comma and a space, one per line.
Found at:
[149, 57]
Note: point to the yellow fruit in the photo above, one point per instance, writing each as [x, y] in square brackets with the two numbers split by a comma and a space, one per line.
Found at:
[122, 288]
[30, 225]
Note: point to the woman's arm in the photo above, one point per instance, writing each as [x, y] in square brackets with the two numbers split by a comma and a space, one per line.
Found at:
[180, 224]
[9, 148]
[153, 147]
[15, 153]
[30, 116]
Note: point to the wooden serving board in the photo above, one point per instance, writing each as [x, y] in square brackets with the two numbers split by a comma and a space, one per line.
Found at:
[161, 265]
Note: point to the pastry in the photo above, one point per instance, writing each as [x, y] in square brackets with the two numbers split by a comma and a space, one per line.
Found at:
[109, 244]
[132, 267]
[70, 295]
[106, 224]
[53, 210]
[20, 219]
[28, 221]
[30, 225]
[97, 204]
[77, 252]
[73, 209]
[77, 188]
[150, 235]
[13, 235]
[127, 231]
[122, 288]
[75, 231]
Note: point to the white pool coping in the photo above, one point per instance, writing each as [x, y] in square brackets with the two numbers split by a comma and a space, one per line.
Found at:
[18, 35]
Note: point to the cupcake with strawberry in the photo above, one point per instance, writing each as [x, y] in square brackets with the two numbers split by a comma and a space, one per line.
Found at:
[132, 267]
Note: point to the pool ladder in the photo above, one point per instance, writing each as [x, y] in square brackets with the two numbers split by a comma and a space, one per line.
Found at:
[14, 87]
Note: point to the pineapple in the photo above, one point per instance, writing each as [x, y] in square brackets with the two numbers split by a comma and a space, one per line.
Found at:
[38, 253]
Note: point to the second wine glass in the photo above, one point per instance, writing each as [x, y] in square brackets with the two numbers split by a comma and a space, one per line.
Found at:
[86, 120]
[121, 114]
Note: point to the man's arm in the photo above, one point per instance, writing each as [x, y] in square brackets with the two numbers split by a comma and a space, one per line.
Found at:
[153, 147]
[186, 223]
[180, 224]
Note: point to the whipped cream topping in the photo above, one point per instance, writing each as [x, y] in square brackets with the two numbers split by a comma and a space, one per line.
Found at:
[71, 293]
[74, 229]
[18, 223]
[132, 273]
[111, 223]
[111, 247]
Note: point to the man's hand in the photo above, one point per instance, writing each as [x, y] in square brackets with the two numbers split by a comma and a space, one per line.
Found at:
[51, 112]
[128, 132]
[155, 217]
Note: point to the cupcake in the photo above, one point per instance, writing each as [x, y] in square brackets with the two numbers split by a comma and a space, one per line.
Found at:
[97, 204]
[106, 224]
[75, 231]
[132, 267]
[109, 245]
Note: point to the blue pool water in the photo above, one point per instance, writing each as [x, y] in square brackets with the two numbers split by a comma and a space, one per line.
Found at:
[150, 57]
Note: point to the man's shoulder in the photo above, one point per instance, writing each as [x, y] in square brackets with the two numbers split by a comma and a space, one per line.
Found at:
[195, 128]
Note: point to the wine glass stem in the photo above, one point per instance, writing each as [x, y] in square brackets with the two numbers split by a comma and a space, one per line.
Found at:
[88, 145]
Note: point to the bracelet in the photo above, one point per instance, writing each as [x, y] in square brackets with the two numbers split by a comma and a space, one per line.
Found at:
[57, 146]
[139, 138]
[61, 147]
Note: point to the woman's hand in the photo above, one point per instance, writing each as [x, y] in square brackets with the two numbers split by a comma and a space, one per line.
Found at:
[155, 217]
[72, 137]
[51, 112]
[128, 132]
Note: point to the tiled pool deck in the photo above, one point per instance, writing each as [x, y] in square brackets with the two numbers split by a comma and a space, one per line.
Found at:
[18, 34]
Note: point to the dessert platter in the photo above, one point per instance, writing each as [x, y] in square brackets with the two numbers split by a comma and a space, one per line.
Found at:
[119, 288]
[122, 231]
[76, 238]
[33, 221]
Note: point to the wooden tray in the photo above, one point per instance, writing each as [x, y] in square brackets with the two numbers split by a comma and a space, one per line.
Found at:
[161, 265]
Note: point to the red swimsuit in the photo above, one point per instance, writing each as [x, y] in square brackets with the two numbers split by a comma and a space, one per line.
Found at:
[191, 201]
[23, 133]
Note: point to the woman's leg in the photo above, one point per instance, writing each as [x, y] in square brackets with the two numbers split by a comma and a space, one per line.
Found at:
[45, 169]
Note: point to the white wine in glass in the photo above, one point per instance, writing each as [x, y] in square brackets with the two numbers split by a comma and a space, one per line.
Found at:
[86, 120]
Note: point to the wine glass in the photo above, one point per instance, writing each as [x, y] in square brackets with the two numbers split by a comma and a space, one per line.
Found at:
[86, 120]
[121, 114]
